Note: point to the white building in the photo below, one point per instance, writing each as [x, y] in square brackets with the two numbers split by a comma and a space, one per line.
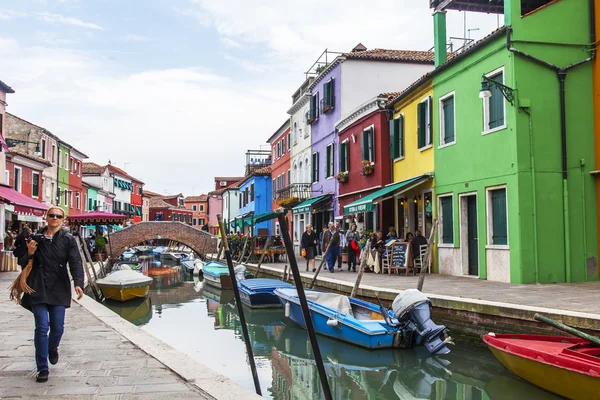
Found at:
[98, 177]
[231, 205]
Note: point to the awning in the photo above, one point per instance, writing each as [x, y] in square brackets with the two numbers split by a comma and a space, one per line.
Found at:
[96, 218]
[23, 204]
[307, 205]
[366, 203]
[266, 216]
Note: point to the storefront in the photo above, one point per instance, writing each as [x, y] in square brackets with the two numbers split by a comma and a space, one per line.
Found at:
[20, 210]
[316, 211]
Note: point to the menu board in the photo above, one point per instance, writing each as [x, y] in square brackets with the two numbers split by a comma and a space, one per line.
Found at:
[400, 254]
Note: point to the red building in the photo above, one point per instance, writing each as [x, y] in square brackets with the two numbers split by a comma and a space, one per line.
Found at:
[137, 200]
[364, 135]
[170, 208]
[199, 207]
[280, 169]
[76, 191]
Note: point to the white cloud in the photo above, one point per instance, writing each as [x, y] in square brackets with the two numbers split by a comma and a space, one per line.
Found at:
[230, 42]
[136, 38]
[61, 19]
[10, 14]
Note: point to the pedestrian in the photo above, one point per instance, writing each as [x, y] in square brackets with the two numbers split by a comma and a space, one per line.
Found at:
[409, 237]
[338, 228]
[330, 236]
[308, 243]
[20, 242]
[352, 238]
[52, 287]
[416, 244]
[392, 235]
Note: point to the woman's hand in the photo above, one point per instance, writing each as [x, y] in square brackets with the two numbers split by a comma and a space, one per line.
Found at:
[31, 247]
[79, 292]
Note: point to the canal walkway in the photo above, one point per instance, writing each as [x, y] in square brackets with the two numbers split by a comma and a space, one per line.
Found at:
[102, 356]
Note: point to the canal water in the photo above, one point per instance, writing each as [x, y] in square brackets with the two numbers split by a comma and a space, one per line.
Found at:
[202, 321]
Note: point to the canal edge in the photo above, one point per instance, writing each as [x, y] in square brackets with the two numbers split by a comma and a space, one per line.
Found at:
[210, 383]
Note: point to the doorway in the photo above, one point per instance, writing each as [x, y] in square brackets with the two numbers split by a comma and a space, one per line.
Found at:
[472, 242]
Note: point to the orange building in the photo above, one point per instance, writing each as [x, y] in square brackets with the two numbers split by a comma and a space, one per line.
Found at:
[199, 207]
[596, 80]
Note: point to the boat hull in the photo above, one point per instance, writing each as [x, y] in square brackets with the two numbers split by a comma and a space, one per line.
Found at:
[556, 379]
[220, 281]
[259, 300]
[124, 293]
[258, 293]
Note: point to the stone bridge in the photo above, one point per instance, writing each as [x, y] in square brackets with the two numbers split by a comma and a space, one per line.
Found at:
[200, 241]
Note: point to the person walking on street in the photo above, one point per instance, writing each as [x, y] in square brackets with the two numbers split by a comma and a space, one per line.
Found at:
[330, 236]
[338, 228]
[352, 236]
[308, 243]
[50, 281]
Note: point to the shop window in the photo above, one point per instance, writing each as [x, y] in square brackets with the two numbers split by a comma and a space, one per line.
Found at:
[447, 220]
[497, 217]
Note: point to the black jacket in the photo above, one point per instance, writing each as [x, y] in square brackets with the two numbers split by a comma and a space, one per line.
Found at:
[309, 240]
[49, 277]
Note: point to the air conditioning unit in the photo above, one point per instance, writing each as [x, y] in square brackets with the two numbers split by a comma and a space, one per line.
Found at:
[223, 183]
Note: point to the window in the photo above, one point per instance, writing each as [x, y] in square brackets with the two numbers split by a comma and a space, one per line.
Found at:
[90, 204]
[66, 198]
[497, 217]
[35, 185]
[368, 144]
[201, 221]
[252, 192]
[71, 165]
[6, 177]
[85, 203]
[53, 154]
[447, 121]
[194, 222]
[202, 207]
[289, 142]
[397, 137]
[78, 200]
[274, 188]
[18, 176]
[70, 198]
[194, 207]
[295, 133]
[329, 161]
[493, 107]
[240, 202]
[424, 123]
[344, 156]
[315, 167]
[289, 177]
[60, 163]
[43, 146]
[66, 161]
[313, 113]
[328, 96]
[447, 220]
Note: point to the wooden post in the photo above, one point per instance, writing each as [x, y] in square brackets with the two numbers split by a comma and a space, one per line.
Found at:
[285, 270]
[91, 282]
[314, 279]
[262, 256]
[88, 257]
[220, 250]
[243, 250]
[567, 328]
[426, 261]
[363, 263]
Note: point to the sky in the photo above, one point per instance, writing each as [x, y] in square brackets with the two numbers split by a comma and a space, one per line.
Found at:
[176, 91]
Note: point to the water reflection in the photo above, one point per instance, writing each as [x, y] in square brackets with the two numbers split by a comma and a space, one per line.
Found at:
[202, 321]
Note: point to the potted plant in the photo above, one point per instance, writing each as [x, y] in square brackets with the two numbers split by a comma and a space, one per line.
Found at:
[99, 244]
[368, 167]
[288, 203]
[342, 177]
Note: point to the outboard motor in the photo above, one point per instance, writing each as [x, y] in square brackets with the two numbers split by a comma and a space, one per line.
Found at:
[240, 272]
[413, 307]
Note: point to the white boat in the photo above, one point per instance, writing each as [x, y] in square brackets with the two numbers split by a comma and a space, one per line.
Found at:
[170, 256]
[124, 285]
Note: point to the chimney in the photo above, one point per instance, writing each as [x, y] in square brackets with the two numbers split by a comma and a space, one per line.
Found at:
[359, 47]
[439, 37]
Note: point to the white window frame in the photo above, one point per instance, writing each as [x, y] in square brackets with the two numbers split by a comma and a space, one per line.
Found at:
[441, 221]
[311, 169]
[194, 208]
[442, 125]
[428, 123]
[372, 129]
[332, 162]
[20, 182]
[489, 218]
[39, 185]
[70, 199]
[78, 201]
[486, 105]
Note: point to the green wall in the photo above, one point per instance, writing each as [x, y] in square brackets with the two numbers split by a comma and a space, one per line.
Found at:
[93, 195]
[63, 176]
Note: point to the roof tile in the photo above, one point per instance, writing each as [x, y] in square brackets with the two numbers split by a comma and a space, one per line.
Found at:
[392, 55]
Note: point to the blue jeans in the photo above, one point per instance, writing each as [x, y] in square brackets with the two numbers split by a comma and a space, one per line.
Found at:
[332, 256]
[47, 318]
[339, 257]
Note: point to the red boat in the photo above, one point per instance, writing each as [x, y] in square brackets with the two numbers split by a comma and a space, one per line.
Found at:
[569, 367]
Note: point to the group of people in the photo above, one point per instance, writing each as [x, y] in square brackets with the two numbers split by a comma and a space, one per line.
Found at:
[334, 238]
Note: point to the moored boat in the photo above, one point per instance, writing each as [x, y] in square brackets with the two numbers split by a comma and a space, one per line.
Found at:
[567, 366]
[366, 324]
[124, 285]
[258, 293]
[217, 274]
[169, 256]
[193, 266]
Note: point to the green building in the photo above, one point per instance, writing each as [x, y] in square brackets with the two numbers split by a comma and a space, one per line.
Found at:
[63, 177]
[514, 145]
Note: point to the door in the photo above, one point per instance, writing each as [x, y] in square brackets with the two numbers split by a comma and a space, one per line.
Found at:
[472, 235]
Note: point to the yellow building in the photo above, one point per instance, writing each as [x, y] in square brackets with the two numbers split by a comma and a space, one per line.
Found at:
[411, 131]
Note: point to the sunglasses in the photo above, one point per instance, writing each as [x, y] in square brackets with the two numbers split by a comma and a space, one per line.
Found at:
[57, 216]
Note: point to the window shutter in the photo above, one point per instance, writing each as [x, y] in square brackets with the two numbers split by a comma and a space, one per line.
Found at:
[394, 150]
[317, 166]
[311, 109]
[371, 144]
[326, 94]
[448, 107]
[341, 156]
[347, 156]
[401, 136]
[363, 145]
[429, 122]
[496, 104]
[421, 124]
[447, 220]
[499, 218]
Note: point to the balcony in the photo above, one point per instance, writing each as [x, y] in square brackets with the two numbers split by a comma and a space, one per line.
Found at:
[257, 159]
[301, 191]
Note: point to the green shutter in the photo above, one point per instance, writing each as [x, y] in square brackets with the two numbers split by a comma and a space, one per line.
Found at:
[447, 220]
[363, 145]
[372, 143]
[499, 217]
[496, 104]
[448, 107]
[430, 124]
[347, 155]
[421, 124]
[326, 94]
[342, 156]
[394, 150]
[401, 136]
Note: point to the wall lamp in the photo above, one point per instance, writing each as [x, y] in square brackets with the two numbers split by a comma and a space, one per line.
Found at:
[13, 142]
[485, 92]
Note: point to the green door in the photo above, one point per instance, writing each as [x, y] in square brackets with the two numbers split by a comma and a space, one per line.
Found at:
[472, 235]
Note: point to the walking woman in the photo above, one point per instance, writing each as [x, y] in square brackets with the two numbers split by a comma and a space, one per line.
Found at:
[308, 243]
[352, 239]
[51, 251]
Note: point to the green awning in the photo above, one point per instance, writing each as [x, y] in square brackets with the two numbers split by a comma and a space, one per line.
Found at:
[306, 205]
[366, 203]
[266, 217]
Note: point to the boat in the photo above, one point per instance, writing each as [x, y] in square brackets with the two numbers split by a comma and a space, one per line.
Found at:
[170, 257]
[124, 285]
[134, 265]
[566, 366]
[193, 266]
[369, 325]
[258, 292]
[215, 295]
[137, 311]
[217, 274]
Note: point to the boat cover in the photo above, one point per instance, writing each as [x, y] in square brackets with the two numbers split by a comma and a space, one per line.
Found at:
[334, 301]
[263, 284]
[405, 300]
[124, 277]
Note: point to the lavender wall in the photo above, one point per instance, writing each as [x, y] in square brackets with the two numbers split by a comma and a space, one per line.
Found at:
[323, 133]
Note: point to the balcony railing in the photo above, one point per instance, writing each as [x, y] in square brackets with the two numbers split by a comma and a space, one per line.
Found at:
[301, 191]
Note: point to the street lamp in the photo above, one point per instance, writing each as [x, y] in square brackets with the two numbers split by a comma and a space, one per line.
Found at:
[13, 142]
[485, 91]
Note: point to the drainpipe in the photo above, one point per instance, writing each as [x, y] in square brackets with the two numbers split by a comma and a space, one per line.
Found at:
[562, 76]
[583, 211]
[533, 197]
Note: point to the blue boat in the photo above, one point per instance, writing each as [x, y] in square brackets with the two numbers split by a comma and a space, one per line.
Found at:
[217, 274]
[258, 292]
[369, 325]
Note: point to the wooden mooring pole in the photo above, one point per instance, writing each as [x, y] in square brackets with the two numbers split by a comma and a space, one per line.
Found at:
[363, 264]
[427, 260]
[91, 281]
[262, 256]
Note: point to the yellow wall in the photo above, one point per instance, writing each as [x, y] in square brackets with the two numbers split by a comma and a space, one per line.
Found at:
[415, 162]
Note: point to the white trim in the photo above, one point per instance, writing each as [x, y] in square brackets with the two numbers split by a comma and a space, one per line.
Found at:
[20, 187]
[489, 218]
[440, 216]
[430, 124]
[442, 124]
[486, 105]
[372, 126]
[359, 191]
[359, 112]
[429, 146]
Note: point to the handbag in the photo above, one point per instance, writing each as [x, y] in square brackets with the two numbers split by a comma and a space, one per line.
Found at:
[303, 253]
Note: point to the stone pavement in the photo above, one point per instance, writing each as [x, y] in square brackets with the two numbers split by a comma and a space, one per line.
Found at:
[577, 297]
[95, 362]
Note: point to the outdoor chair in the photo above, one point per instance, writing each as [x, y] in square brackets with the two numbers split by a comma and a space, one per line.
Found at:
[418, 262]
